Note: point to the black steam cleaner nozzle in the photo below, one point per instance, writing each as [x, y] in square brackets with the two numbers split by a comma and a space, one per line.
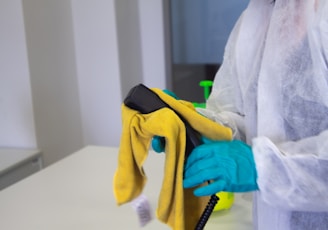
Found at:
[144, 100]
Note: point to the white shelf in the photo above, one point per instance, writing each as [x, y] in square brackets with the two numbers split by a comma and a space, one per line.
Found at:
[16, 164]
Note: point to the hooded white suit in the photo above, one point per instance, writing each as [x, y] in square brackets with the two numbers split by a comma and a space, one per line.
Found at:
[272, 90]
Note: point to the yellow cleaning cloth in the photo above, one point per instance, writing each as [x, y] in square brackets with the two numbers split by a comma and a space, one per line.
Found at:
[177, 207]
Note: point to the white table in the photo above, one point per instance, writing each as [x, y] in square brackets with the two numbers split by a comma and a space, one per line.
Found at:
[76, 193]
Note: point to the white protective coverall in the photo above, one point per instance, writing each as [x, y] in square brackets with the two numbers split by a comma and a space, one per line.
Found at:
[272, 90]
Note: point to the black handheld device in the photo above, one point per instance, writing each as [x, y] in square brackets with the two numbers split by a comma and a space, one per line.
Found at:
[144, 100]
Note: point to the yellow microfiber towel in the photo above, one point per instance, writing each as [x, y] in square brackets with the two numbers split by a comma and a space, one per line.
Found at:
[177, 207]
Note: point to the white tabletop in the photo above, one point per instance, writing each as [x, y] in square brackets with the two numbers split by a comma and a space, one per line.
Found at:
[76, 193]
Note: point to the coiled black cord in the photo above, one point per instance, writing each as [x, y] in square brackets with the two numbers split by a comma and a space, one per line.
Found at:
[207, 212]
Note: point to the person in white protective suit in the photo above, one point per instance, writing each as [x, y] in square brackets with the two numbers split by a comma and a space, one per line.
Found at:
[272, 90]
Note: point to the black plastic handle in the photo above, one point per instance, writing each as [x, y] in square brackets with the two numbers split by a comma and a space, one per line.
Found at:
[145, 101]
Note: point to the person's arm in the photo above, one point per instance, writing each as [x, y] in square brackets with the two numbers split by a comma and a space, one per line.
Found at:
[293, 175]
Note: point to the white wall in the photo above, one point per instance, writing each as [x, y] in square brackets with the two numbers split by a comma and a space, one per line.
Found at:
[16, 113]
[51, 54]
[141, 43]
[129, 43]
[83, 56]
[118, 44]
[97, 59]
[156, 53]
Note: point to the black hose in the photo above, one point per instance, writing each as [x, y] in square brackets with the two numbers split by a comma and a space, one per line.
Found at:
[207, 212]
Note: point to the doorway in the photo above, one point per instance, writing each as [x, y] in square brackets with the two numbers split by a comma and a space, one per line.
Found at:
[199, 30]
